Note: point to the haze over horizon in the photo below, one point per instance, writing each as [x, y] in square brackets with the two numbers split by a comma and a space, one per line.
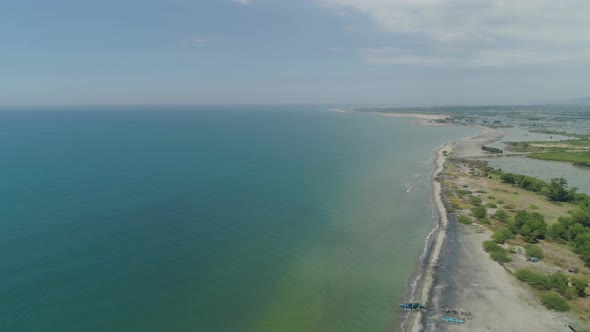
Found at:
[401, 53]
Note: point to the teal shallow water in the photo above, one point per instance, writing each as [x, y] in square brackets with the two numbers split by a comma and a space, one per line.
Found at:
[210, 218]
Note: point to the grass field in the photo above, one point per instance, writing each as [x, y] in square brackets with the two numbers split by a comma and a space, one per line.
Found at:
[568, 156]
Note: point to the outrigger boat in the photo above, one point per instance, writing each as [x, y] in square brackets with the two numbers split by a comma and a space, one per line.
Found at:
[453, 320]
[412, 306]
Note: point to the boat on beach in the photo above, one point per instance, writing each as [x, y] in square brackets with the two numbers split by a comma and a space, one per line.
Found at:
[412, 306]
[453, 320]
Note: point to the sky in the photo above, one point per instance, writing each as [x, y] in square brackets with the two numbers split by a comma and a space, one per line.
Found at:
[361, 52]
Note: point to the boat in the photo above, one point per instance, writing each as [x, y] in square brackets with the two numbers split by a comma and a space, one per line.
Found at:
[412, 306]
[453, 320]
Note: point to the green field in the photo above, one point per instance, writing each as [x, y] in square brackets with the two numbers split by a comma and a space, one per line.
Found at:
[580, 158]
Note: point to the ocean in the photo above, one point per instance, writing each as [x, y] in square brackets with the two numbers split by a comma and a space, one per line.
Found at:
[211, 218]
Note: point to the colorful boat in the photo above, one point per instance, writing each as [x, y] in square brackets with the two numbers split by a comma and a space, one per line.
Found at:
[453, 320]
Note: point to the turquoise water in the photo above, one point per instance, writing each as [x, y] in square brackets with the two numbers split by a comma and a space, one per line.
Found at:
[210, 218]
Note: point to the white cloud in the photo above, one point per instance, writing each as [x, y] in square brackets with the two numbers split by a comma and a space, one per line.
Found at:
[476, 30]
[243, 2]
[478, 58]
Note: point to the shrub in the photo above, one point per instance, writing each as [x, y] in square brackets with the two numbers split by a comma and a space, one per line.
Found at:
[464, 220]
[509, 207]
[503, 234]
[500, 201]
[461, 192]
[485, 220]
[481, 191]
[534, 279]
[491, 197]
[474, 200]
[500, 256]
[557, 231]
[579, 284]
[554, 302]
[501, 215]
[456, 206]
[490, 246]
[491, 205]
[479, 212]
[533, 207]
[534, 251]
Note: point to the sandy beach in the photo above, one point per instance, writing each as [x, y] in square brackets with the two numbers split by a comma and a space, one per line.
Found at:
[471, 147]
[459, 274]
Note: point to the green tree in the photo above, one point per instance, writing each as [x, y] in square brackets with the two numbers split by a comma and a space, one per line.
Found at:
[582, 246]
[581, 215]
[557, 232]
[557, 190]
[533, 230]
[503, 234]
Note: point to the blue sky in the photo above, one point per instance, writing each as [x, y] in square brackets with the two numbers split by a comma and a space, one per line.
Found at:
[390, 52]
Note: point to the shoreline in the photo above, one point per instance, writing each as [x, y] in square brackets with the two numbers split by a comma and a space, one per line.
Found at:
[433, 245]
[422, 286]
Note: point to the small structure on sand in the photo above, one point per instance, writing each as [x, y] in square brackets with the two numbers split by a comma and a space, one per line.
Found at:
[453, 320]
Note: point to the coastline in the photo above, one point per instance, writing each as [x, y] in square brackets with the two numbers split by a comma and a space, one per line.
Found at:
[423, 287]
[458, 274]
[433, 245]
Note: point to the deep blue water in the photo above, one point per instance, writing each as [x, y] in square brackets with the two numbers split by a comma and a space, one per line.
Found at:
[210, 218]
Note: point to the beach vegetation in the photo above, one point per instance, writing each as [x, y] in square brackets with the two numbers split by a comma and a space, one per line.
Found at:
[557, 232]
[464, 219]
[496, 252]
[503, 234]
[491, 205]
[474, 200]
[500, 256]
[534, 251]
[479, 212]
[510, 207]
[534, 279]
[462, 192]
[559, 282]
[554, 302]
[530, 225]
[556, 191]
[490, 246]
[485, 221]
[579, 284]
[501, 215]
[481, 191]
[455, 205]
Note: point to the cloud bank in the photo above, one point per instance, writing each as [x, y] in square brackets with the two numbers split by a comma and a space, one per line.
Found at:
[476, 32]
